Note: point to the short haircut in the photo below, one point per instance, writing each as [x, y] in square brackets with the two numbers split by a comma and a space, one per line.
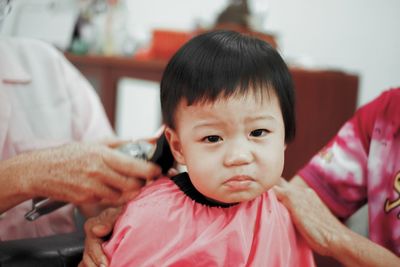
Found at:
[222, 64]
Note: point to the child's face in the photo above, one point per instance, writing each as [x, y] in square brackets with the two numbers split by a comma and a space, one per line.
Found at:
[233, 149]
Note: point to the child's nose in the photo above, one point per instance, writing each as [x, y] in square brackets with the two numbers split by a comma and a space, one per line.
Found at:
[238, 153]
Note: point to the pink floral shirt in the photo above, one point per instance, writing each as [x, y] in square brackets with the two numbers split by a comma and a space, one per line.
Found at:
[362, 164]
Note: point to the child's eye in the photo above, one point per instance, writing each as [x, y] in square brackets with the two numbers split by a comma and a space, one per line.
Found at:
[212, 139]
[259, 132]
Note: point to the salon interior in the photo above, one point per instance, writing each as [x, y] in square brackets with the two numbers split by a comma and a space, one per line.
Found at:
[341, 55]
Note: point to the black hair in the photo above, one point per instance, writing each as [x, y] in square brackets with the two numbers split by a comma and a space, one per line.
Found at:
[222, 64]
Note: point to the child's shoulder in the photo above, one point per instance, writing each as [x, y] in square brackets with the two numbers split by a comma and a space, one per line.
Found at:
[161, 191]
[163, 185]
[156, 199]
[274, 206]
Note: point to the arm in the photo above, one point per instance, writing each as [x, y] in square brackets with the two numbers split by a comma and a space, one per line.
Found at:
[76, 173]
[12, 193]
[325, 234]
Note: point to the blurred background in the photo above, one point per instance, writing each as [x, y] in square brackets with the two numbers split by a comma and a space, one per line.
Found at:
[341, 53]
[359, 36]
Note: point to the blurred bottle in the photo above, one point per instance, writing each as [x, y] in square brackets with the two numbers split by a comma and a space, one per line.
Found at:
[258, 14]
[117, 40]
[103, 28]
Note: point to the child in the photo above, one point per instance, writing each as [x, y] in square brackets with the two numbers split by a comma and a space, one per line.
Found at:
[228, 105]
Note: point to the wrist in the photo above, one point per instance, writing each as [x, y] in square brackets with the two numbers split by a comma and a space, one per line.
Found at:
[352, 249]
[13, 191]
[335, 239]
[19, 172]
[342, 243]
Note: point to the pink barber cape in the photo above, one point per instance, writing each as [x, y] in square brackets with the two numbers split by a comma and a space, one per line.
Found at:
[163, 226]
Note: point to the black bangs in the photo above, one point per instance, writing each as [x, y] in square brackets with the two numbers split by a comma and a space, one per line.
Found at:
[221, 64]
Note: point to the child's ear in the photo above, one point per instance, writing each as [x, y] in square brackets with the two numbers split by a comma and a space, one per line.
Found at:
[175, 145]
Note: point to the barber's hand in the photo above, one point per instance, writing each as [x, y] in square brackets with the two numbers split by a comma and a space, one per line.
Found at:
[95, 229]
[84, 173]
[312, 218]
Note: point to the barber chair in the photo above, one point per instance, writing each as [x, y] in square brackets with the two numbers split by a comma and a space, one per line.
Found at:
[64, 250]
[60, 250]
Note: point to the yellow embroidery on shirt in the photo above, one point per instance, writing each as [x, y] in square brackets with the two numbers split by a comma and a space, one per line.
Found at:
[326, 155]
[390, 205]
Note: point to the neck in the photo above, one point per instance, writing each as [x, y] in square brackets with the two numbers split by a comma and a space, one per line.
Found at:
[182, 180]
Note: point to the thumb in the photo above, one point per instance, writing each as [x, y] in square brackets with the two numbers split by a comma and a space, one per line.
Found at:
[279, 192]
[103, 224]
[283, 182]
[101, 230]
[113, 142]
[281, 189]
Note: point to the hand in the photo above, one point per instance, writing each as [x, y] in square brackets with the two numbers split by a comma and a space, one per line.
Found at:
[84, 173]
[324, 233]
[95, 229]
[315, 222]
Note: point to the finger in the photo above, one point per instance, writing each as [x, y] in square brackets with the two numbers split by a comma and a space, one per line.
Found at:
[93, 260]
[96, 228]
[282, 182]
[113, 142]
[109, 177]
[298, 181]
[279, 192]
[87, 261]
[95, 254]
[153, 139]
[127, 196]
[78, 195]
[96, 190]
[132, 167]
[159, 132]
[281, 188]
[128, 188]
[172, 172]
[283, 191]
[101, 230]
[103, 224]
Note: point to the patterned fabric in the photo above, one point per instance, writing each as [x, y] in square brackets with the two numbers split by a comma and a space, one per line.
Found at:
[166, 227]
[362, 164]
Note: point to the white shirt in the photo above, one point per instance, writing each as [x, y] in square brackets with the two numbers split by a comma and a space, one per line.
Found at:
[44, 102]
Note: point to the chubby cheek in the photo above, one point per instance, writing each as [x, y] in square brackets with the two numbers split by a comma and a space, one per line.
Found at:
[200, 167]
[271, 169]
[201, 179]
[203, 169]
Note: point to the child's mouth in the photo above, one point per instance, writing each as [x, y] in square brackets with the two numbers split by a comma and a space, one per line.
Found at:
[239, 182]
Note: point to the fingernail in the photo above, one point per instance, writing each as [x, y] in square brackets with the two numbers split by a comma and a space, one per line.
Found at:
[103, 262]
